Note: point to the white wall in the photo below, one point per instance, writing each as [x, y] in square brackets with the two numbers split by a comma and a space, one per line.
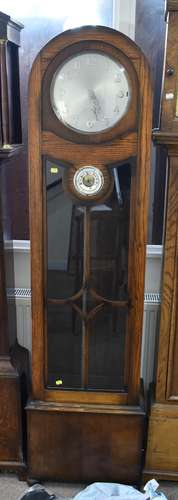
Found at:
[124, 12]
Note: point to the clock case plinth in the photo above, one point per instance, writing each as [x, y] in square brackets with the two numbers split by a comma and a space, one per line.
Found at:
[80, 435]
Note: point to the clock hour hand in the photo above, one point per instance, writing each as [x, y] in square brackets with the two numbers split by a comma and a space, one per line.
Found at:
[95, 105]
[117, 186]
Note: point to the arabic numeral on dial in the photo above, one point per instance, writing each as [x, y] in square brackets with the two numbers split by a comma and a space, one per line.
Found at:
[90, 123]
[116, 108]
[61, 76]
[106, 120]
[76, 65]
[63, 108]
[91, 60]
[74, 119]
[61, 93]
[69, 74]
[107, 65]
[117, 78]
[120, 94]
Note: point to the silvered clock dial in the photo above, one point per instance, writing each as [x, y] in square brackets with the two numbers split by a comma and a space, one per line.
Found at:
[90, 92]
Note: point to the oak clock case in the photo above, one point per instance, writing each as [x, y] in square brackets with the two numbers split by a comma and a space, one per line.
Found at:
[89, 152]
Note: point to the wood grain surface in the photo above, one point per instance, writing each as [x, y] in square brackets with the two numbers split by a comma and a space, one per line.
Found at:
[128, 142]
[162, 456]
[84, 446]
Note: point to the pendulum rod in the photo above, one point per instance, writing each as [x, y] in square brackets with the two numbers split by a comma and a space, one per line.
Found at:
[86, 280]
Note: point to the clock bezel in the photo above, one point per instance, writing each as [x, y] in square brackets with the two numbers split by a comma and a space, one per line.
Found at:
[98, 197]
[52, 123]
[114, 119]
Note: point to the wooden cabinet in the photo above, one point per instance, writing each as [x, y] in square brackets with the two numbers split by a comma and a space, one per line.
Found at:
[10, 115]
[12, 356]
[89, 157]
[162, 449]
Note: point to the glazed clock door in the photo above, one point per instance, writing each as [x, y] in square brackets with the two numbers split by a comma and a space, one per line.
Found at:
[87, 279]
[89, 151]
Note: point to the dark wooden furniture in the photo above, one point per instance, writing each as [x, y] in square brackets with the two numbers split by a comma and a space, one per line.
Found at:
[85, 417]
[162, 449]
[11, 442]
[149, 35]
[11, 450]
[10, 116]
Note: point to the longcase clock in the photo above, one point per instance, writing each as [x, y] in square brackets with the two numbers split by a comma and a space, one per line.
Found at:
[162, 449]
[89, 158]
[12, 355]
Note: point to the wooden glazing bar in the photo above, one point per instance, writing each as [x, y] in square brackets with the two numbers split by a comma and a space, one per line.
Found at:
[96, 297]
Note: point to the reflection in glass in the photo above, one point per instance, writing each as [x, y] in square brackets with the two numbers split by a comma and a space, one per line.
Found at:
[64, 347]
[110, 240]
[64, 237]
[106, 350]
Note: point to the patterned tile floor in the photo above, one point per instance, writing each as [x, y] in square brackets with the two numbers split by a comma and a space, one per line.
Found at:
[11, 488]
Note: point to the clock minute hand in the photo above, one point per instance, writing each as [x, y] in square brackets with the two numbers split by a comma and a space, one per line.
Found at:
[96, 108]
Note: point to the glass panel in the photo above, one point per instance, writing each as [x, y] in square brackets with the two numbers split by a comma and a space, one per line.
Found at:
[64, 237]
[87, 264]
[110, 240]
[64, 347]
[106, 350]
